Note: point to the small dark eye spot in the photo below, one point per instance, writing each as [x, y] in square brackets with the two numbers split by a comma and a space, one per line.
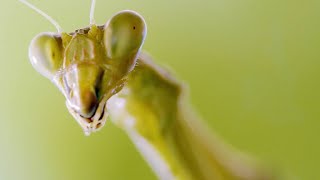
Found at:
[134, 27]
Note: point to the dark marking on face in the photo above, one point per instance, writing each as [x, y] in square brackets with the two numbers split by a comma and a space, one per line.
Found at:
[102, 114]
[88, 120]
[98, 125]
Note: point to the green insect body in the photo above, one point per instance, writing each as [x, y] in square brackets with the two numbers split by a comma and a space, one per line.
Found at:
[96, 70]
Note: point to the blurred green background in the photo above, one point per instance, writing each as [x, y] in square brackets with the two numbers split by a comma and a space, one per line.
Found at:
[252, 67]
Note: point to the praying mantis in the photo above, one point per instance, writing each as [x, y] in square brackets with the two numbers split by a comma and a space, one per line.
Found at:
[103, 74]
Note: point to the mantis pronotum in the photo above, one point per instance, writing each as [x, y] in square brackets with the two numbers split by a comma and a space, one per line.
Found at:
[96, 70]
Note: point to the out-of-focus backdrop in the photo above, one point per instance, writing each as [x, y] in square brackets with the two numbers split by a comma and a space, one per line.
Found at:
[253, 68]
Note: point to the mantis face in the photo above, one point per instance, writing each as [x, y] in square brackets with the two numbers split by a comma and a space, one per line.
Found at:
[91, 64]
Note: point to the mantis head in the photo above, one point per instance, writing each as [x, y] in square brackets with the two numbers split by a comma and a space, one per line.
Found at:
[91, 64]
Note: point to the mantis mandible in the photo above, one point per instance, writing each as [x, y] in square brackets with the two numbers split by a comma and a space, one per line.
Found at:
[103, 74]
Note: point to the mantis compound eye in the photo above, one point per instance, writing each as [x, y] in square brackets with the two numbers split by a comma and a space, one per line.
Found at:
[123, 37]
[45, 54]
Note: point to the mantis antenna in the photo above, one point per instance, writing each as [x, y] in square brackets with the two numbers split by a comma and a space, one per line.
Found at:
[52, 21]
[93, 4]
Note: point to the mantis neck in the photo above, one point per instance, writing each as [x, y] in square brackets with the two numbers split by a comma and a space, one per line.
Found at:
[152, 109]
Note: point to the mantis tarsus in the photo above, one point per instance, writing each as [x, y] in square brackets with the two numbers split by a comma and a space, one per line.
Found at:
[103, 74]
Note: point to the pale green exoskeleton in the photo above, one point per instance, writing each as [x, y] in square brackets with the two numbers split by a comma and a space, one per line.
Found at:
[95, 69]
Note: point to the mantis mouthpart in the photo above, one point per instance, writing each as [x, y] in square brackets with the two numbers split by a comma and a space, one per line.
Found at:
[102, 73]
